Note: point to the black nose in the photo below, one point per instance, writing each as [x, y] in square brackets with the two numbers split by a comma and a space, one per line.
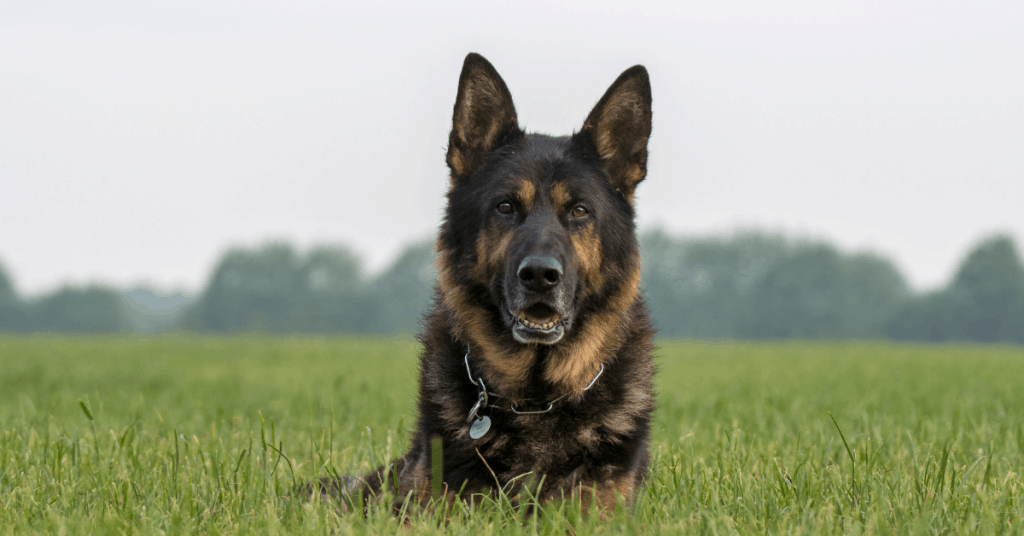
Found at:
[540, 274]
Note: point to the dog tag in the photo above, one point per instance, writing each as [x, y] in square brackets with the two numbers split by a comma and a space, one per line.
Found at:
[480, 427]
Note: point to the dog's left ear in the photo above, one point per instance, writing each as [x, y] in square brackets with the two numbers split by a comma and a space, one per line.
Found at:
[619, 126]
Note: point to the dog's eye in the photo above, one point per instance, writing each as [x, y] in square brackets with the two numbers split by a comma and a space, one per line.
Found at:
[579, 211]
[505, 208]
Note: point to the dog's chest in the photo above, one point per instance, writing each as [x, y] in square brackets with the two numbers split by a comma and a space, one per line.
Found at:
[539, 443]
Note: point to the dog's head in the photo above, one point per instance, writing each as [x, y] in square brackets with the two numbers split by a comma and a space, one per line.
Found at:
[538, 238]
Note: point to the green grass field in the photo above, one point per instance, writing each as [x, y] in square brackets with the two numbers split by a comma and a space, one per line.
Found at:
[181, 435]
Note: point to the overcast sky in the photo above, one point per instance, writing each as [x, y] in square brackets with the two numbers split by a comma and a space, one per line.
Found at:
[139, 139]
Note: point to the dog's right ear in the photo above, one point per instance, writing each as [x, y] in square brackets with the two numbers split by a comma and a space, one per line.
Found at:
[484, 118]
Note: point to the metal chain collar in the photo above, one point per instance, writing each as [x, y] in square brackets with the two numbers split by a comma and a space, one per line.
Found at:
[483, 400]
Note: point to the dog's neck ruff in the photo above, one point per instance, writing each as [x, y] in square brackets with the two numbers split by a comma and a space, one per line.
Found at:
[483, 400]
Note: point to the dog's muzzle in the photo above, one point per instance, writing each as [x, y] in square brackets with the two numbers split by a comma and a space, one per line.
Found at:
[539, 320]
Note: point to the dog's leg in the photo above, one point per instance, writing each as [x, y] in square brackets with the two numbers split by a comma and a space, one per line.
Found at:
[356, 492]
[603, 494]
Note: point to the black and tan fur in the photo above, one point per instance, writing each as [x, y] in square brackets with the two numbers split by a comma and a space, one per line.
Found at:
[539, 274]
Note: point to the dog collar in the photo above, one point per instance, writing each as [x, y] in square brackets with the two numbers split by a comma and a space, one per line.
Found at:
[482, 423]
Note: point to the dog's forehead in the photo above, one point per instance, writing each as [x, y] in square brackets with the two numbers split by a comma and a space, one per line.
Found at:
[546, 161]
[536, 156]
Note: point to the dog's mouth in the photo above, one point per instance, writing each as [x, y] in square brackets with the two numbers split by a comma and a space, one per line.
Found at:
[538, 324]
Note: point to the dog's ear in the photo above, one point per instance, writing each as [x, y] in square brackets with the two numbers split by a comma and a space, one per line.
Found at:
[484, 118]
[618, 129]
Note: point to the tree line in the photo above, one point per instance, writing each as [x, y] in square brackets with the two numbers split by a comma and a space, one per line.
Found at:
[758, 286]
[748, 286]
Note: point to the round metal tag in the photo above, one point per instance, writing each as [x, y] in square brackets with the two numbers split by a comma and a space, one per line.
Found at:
[480, 427]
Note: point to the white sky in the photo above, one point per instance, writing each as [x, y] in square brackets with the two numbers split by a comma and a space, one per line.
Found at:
[140, 138]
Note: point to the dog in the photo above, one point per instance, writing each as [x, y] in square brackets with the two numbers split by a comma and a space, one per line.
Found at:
[537, 351]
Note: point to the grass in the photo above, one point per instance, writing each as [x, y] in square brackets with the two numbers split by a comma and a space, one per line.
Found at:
[175, 435]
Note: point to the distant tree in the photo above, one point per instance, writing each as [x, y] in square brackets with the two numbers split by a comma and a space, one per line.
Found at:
[701, 287]
[873, 290]
[818, 292]
[403, 292]
[274, 289]
[251, 291]
[11, 310]
[987, 293]
[92, 309]
[333, 294]
[923, 318]
[758, 285]
[800, 296]
[983, 303]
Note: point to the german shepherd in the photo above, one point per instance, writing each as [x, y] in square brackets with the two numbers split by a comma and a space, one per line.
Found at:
[537, 351]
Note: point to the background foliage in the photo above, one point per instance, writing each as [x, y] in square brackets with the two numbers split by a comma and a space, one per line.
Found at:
[746, 286]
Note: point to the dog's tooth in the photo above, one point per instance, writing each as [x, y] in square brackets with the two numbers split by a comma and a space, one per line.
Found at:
[537, 325]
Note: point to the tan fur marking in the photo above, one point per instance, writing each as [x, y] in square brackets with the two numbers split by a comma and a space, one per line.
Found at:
[622, 420]
[526, 192]
[606, 493]
[497, 254]
[492, 134]
[490, 253]
[451, 413]
[605, 145]
[589, 437]
[620, 423]
[483, 86]
[507, 369]
[634, 175]
[573, 365]
[625, 103]
[587, 247]
[416, 479]
[458, 167]
[560, 196]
